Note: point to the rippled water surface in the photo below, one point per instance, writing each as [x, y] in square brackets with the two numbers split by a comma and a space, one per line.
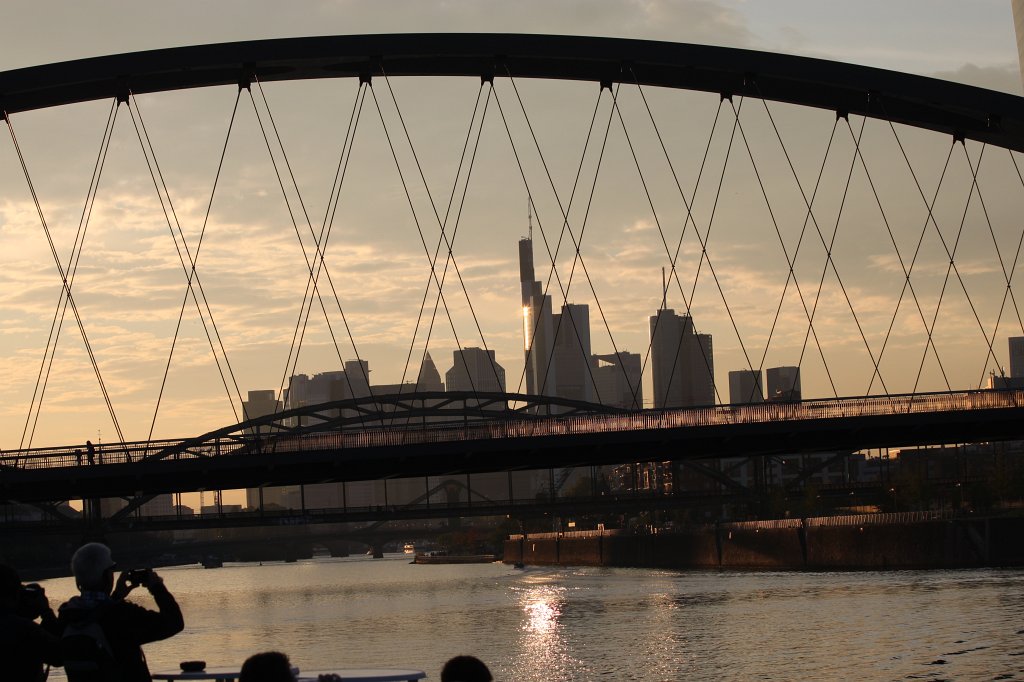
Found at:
[590, 623]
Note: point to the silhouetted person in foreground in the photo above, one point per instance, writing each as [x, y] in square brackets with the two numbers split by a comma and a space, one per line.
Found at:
[269, 666]
[25, 646]
[90, 450]
[465, 669]
[102, 633]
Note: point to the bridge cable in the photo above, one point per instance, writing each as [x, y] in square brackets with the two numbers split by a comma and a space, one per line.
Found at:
[540, 223]
[326, 229]
[319, 252]
[437, 247]
[578, 256]
[458, 217]
[312, 283]
[1007, 277]
[829, 247]
[1020, 243]
[708, 362]
[828, 253]
[444, 236]
[705, 239]
[785, 251]
[64, 279]
[953, 268]
[566, 227]
[160, 183]
[688, 220]
[49, 354]
[908, 284]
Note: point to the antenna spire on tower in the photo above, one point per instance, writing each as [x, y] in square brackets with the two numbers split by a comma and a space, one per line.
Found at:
[529, 215]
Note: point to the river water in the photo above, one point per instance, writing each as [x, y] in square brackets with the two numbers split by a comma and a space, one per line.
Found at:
[599, 623]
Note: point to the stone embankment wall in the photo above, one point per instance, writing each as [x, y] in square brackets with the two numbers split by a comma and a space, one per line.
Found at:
[871, 542]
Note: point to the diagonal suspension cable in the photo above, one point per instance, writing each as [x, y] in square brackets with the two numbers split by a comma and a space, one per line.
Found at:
[57, 324]
[64, 279]
[326, 228]
[566, 227]
[708, 362]
[907, 283]
[440, 241]
[578, 257]
[319, 254]
[829, 261]
[954, 269]
[688, 220]
[540, 223]
[423, 241]
[1008, 292]
[785, 251]
[192, 278]
[828, 251]
[441, 226]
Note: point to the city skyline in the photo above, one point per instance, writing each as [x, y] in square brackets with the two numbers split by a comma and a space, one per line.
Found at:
[129, 285]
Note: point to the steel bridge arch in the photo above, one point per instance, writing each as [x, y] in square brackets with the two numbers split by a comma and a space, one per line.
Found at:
[393, 410]
[963, 111]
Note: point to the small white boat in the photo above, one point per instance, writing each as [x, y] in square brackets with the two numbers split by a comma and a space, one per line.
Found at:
[409, 548]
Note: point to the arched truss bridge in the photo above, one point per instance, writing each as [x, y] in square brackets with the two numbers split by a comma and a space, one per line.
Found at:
[959, 110]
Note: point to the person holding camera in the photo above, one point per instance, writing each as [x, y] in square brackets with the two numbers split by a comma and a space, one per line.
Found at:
[27, 648]
[102, 633]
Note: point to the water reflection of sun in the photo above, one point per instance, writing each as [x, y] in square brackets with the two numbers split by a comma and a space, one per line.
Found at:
[542, 614]
[542, 648]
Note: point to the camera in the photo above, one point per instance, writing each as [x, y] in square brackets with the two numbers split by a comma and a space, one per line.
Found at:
[139, 576]
[32, 601]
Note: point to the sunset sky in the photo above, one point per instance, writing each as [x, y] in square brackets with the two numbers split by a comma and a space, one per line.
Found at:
[129, 284]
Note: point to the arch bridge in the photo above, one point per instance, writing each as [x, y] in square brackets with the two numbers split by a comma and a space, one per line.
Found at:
[934, 398]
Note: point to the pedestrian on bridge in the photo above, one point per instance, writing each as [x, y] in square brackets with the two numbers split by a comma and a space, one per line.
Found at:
[91, 450]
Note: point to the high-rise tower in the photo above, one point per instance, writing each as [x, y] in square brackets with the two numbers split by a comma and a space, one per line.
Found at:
[538, 326]
[682, 362]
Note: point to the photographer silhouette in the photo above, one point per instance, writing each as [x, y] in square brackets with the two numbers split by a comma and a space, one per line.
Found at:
[27, 648]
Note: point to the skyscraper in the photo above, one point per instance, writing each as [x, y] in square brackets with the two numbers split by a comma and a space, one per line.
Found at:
[784, 384]
[682, 362]
[474, 369]
[745, 386]
[1016, 357]
[538, 326]
[617, 377]
[429, 379]
[571, 357]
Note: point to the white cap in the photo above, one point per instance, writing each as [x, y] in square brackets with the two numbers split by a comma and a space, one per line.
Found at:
[89, 564]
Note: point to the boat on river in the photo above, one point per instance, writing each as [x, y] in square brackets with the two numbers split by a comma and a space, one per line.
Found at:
[409, 548]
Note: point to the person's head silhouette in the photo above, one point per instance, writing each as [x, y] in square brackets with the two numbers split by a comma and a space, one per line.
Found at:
[465, 669]
[93, 568]
[269, 666]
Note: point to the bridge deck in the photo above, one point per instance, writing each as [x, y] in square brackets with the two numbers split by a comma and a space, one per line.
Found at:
[233, 459]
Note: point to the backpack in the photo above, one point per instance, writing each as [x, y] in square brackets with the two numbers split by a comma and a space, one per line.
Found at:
[87, 653]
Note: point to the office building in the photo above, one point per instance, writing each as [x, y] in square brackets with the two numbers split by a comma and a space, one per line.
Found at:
[429, 379]
[784, 384]
[1016, 344]
[474, 369]
[745, 387]
[617, 379]
[538, 326]
[682, 362]
[571, 355]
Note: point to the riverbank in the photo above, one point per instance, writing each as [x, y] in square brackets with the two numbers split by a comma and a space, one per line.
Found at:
[878, 541]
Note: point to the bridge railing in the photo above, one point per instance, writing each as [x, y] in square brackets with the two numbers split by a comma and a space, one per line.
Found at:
[436, 433]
